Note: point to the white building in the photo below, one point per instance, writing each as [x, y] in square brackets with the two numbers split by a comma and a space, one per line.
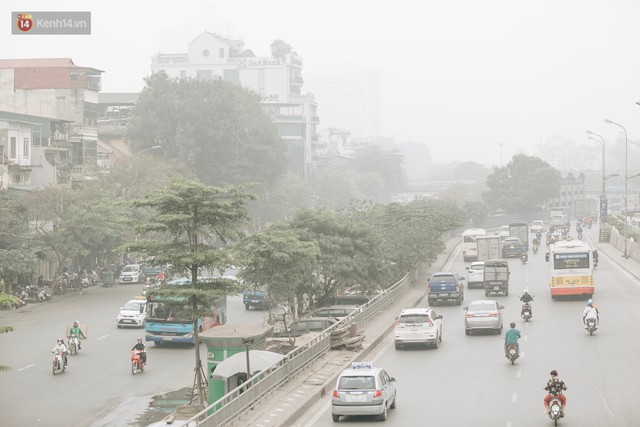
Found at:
[277, 80]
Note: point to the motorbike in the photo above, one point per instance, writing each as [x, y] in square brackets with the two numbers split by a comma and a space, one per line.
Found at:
[58, 363]
[524, 257]
[136, 362]
[526, 311]
[512, 351]
[535, 249]
[74, 345]
[591, 326]
[555, 410]
[579, 235]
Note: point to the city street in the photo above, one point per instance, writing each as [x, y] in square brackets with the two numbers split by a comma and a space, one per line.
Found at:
[468, 381]
[98, 387]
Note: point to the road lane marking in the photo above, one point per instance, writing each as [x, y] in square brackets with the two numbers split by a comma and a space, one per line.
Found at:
[606, 404]
[27, 367]
[519, 373]
[102, 337]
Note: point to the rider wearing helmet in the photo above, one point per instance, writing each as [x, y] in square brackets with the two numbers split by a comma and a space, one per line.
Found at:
[555, 386]
[511, 337]
[590, 312]
[526, 298]
[77, 331]
[61, 348]
[142, 349]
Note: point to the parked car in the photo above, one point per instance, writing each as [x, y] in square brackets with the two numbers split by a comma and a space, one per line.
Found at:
[418, 326]
[445, 286]
[511, 247]
[133, 313]
[483, 315]
[131, 273]
[537, 226]
[305, 325]
[363, 390]
[475, 274]
[334, 311]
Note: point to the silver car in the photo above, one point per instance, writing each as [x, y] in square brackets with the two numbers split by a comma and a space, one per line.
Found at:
[483, 315]
[363, 390]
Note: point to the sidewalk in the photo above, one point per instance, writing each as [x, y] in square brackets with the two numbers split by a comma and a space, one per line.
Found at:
[304, 390]
[612, 253]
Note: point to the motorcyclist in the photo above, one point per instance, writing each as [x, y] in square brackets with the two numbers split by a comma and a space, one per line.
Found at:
[555, 386]
[526, 298]
[590, 312]
[61, 348]
[524, 257]
[142, 350]
[595, 258]
[511, 337]
[75, 330]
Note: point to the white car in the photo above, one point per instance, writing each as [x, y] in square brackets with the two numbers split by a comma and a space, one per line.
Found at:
[475, 274]
[132, 314]
[418, 326]
[363, 390]
[537, 226]
[131, 273]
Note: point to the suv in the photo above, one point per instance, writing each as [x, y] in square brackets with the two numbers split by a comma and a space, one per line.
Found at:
[418, 326]
[475, 274]
[363, 390]
[445, 286]
[511, 247]
[132, 314]
[131, 273]
[255, 298]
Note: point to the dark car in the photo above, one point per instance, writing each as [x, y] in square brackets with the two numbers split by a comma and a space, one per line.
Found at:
[255, 298]
[445, 286]
[512, 247]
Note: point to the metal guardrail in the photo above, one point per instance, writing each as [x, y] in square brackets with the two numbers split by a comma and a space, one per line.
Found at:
[241, 399]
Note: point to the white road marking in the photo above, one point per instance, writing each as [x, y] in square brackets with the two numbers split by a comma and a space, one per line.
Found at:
[102, 337]
[519, 373]
[27, 367]
[514, 397]
[606, 405]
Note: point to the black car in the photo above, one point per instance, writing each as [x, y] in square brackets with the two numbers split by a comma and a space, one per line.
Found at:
[512, 247]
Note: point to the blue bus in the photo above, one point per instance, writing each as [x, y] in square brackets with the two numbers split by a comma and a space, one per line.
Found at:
[164, 323]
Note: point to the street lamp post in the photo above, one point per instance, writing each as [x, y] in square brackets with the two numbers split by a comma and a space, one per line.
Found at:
[626, 184]
[601, 141]
[246, 342]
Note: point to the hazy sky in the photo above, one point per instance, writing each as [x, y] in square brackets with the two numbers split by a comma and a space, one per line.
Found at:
[461, 76]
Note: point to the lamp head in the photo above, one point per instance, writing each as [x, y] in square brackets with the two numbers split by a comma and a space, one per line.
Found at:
[608, 121]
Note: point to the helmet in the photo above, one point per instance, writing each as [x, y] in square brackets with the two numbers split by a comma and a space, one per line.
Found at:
[526, 291]
[60, 341]
[554, 373]
[513, 324]
[590, 302]
[76, 322]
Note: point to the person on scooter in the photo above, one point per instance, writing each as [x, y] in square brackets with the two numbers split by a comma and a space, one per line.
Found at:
[75, 330]
[61, 348]
[142, 349]
[511, 337]
[524, 257]
[595, 258]
[590, 312]
[526, 298]
[555, 386]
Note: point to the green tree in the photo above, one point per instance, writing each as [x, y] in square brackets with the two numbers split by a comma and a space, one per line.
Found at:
[349, 251]
[523, 185]
[336, 189]
[195, 217]
[277, 260]
[13, 222]
[216, 128]
[475, 211]
[279, 48]
[6, 300]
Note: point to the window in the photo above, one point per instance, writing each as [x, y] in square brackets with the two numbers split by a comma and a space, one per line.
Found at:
[13, 147]
[357, 383]
[25, 147]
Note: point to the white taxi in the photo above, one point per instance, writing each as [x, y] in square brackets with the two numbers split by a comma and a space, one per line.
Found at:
[133, 313]
[363, 390]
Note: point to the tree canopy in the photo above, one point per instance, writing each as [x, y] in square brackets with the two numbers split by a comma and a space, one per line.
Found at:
[522, 185]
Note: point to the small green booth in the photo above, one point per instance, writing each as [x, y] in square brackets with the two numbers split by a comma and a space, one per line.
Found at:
[223, 342]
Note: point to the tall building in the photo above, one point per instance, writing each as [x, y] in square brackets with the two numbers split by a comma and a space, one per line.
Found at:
[277, 80]
[349, 100]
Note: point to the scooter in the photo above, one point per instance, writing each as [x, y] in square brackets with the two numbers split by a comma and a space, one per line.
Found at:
[526, 311]
[512, 351]
[74, 345]
[591, 326]
[535, 249]
[524, 257]
[136, 362]
[58, 363]
[555, 410]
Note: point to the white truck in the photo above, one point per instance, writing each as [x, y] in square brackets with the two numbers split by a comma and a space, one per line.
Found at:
[488, 247]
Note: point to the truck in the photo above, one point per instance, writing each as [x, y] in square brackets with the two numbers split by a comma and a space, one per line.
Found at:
[586, 208]
[557, 217]
[496, 277]
[488, 247]
[521, 231]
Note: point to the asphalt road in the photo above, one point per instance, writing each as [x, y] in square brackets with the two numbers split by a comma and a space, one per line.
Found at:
[469, 382]
[98, 388]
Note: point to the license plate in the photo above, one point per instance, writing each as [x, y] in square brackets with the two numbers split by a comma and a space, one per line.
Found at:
[496, 288]
[443, 295]
[356, 398]
[127, 321]
[168, 338]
